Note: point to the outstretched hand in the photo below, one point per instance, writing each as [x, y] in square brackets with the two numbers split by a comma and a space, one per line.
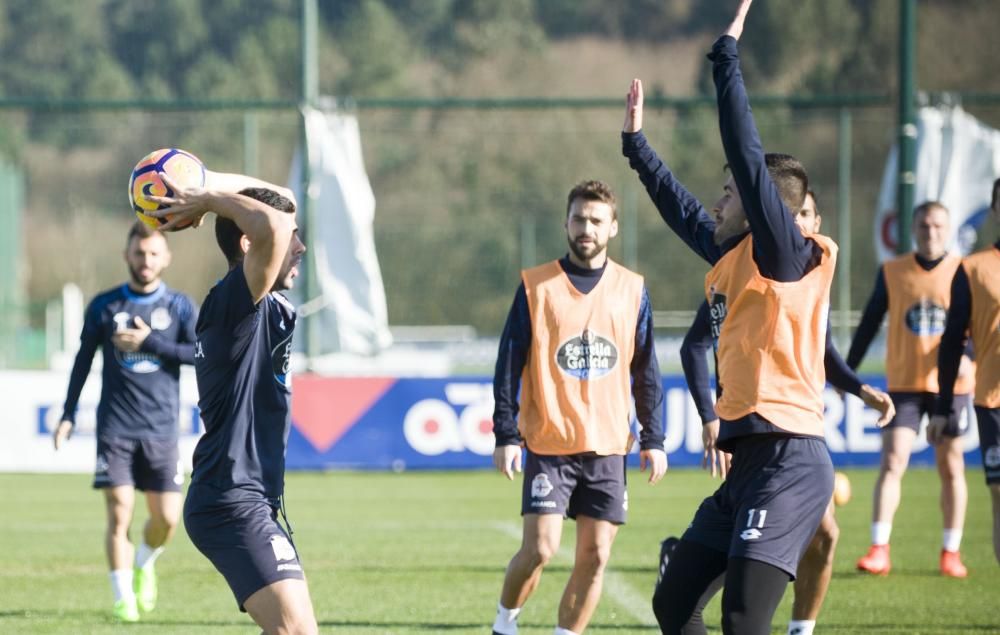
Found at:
[633, 107]
[735, 28]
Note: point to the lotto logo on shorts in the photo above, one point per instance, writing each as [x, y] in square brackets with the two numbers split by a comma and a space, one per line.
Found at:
[283, 549]
[991, 457]
[541, 486]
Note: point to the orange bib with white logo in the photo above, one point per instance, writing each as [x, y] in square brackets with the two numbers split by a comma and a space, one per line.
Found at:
[918, 307]
[576, 387]
[771, 339]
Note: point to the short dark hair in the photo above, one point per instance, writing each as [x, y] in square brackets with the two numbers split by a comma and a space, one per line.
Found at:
[593, 191]
[996, 194]
[141, 230]
[790, 177]
[228, 234]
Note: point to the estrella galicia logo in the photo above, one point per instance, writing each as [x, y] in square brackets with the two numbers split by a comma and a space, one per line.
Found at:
[926, 318]
[587, 356]
[280, 357]
[717, 311]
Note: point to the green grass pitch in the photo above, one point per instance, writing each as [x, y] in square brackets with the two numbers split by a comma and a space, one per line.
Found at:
[424, 552]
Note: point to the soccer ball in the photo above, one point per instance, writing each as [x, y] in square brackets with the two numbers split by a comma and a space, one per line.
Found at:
[841, 489]
[183, 167]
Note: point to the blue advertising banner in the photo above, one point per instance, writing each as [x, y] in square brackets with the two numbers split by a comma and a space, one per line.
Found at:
[402, 423]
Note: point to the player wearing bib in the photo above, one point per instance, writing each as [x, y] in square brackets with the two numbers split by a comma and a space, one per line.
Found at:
[241, 360]
[914, 290]
[975, 314]
[816, 567]
[145, 331]
[579, 344]
[768, 295]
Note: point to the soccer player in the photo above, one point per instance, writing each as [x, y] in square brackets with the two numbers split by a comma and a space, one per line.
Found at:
[816, 567]
[975, 311]
[768, 294]
[145, 331]
[241, 361]
[579, 342]
[914, 290]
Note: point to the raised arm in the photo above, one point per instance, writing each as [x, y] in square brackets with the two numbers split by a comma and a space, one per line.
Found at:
[682, 212]
[268, 230]
[780, 250]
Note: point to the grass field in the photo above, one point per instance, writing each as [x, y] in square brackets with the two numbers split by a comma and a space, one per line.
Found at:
[425, 553]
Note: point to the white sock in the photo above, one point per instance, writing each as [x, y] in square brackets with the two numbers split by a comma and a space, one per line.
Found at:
[881, 533]
[952, 539]
[506, 621]
[801, 627]
[563, 631]
[121, 584]
[145, 555]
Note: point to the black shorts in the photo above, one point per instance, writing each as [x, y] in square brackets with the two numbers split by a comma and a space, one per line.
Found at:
[771, 502]
[246, 544]
[575, 484]
[151, 465]
[989, 442]
[912, 406]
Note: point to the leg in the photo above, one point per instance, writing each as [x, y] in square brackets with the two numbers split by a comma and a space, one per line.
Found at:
[816, 569]
[692, 572]
[995, 497]
[752, 593]
[283, 608]
[954, 493]
[540, 541]
[583, 591]
[164, 514]
[119, 503]
[897, 443]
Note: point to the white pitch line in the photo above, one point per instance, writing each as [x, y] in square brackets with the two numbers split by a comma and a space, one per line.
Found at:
[615, 585]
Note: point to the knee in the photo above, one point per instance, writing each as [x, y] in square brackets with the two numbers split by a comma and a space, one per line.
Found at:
[894, 465]
[538, 554]
[594, 557]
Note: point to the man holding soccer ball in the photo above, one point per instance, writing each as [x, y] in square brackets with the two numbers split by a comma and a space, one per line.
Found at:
[244, 336]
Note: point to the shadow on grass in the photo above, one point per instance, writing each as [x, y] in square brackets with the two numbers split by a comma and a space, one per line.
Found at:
[441, 627]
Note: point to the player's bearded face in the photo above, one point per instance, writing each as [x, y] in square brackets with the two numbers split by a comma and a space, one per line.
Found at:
[147, 258]
[290, 266]
[730, 218]
[589, 227]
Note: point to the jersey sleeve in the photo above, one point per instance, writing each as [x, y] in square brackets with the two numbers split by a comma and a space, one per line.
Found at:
[780, 250]
[838, 373]
[90, 340]
[680, 210]
[647, 385]
[871, 321]
[694, 360]
[512, 355]
[953, 340]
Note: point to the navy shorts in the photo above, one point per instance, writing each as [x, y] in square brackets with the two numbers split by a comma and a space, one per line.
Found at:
[912, 406]
[771, 502]
[575, 484]
[151, 465]
[246, 544]
[989, 441]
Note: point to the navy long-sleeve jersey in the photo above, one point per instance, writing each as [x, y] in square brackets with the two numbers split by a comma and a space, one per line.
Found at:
[140, 391]
[515, 342]
[780, 251]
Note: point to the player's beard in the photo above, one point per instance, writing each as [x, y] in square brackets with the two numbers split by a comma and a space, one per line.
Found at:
[585, 253]
[133, 273]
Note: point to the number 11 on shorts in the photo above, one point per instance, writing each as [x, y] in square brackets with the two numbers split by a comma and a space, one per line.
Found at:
[762, 516]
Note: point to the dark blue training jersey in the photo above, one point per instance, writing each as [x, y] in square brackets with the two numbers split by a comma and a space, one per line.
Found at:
[139, 391]
[241, 361]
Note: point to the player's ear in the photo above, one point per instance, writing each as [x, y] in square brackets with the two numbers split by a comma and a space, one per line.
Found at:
[819, 221]
[244, 243]
[614, 229]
